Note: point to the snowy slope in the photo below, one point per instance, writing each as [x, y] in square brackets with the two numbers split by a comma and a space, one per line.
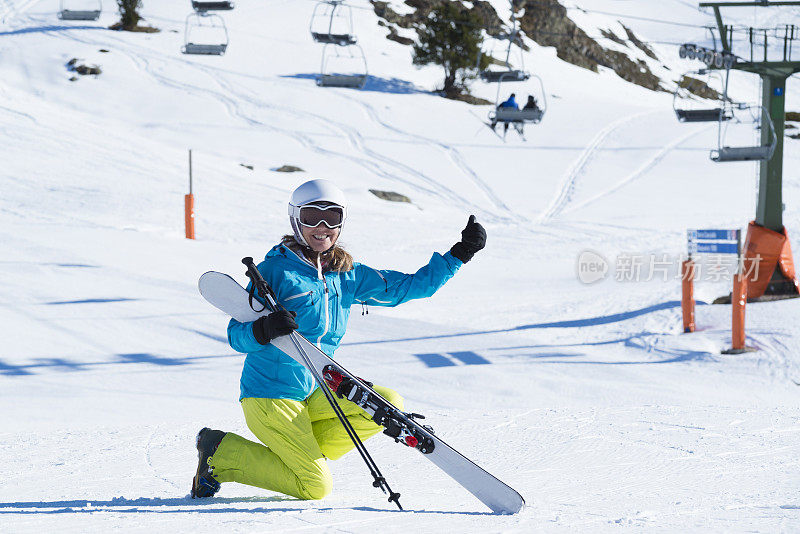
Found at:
[585, 398]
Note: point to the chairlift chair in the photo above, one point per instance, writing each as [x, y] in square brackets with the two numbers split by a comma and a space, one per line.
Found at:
[216, 24]
[524, 116]
[332, 23]
[84, 14]
[704, 115]
[723, 112]
[203, 5]
[510, 75]
[760, 152]
[507, 74]
[518, 118]
[332, 73]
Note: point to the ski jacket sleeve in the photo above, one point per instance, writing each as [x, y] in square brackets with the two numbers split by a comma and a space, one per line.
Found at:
[390, 288]
[241, 337]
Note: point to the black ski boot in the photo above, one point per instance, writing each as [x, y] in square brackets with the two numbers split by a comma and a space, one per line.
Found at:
[205, 485]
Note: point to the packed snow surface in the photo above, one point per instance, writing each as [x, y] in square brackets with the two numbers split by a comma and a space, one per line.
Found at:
[586, 398]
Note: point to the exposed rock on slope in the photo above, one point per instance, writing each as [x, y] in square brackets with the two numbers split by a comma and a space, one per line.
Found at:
[546, 22]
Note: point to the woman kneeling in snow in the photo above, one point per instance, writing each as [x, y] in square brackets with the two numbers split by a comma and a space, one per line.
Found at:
[316, 282]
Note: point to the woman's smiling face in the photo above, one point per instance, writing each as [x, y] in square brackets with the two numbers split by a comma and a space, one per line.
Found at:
[320, 238]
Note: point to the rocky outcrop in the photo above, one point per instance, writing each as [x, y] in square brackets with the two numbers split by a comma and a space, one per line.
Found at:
[288, 168]
[698, 88]
[422, 8]
[546, 22]
[391, 196]
[639, 44]
[75, 65]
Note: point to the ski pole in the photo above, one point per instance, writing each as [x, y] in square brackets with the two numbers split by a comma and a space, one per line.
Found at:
[265, 292]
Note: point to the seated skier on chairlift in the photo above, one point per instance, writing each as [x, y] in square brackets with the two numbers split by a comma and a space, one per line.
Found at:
[531, 104]
[510, 103]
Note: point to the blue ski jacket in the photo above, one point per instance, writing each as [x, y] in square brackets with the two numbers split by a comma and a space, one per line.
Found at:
[510, 103]
[322, 301]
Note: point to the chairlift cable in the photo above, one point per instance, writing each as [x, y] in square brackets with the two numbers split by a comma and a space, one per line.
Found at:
[576, 7]
[585, 10]
[634, 17]
[659, 21]
[595, 38]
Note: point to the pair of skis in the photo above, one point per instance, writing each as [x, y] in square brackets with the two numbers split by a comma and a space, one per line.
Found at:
[520, 129]
[224, 293]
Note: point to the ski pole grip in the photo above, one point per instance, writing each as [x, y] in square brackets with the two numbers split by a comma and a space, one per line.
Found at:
[252, 271]
[259, 284]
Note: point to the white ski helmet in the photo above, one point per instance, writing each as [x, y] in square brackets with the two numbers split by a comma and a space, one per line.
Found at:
[314, 192]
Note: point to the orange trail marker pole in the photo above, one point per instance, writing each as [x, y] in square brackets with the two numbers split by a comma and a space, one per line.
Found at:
[687, 294]
[739, 301]
[189, 204]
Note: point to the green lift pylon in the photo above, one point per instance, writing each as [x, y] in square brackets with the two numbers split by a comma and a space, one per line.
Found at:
[773, 73]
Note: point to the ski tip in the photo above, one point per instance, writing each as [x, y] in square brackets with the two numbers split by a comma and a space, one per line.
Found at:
[509, 508]
[206, 276]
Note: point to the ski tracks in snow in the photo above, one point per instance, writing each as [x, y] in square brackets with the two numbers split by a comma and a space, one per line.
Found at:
[148, 450]
[643, 169]
[453, 155]
[232, 97]
[578, 168]
[11, 8]
[378, 162]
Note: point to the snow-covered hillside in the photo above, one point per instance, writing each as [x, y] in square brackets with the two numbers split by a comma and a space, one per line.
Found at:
[587, 399]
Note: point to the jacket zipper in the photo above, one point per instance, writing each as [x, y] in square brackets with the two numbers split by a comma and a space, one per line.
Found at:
[382, 278]
[327, 319]
[298, 296]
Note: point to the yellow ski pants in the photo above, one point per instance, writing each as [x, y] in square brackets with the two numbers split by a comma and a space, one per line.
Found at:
[297, 438]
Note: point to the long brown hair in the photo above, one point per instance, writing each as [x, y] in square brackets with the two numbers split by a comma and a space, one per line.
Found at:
[337, 259]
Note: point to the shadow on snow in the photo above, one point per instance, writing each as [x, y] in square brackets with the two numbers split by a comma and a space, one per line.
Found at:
[431, 360]
[183, 505]
[574, 323]
[140, 505]
[374, 84]
[51, 28]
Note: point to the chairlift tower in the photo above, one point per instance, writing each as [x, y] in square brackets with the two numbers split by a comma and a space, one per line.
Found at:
[769, 210]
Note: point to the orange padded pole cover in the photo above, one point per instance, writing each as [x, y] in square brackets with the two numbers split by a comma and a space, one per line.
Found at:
[769, 249]
[189, 215]
[785, 262]
[687, 294]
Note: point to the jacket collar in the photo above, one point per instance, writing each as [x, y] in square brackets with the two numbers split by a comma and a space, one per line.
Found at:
[281, 250]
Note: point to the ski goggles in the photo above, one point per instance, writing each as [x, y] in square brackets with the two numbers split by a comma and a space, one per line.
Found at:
[312, 215]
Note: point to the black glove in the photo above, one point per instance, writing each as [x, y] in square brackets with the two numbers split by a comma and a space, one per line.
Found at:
[276, 324]
[473, 238]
